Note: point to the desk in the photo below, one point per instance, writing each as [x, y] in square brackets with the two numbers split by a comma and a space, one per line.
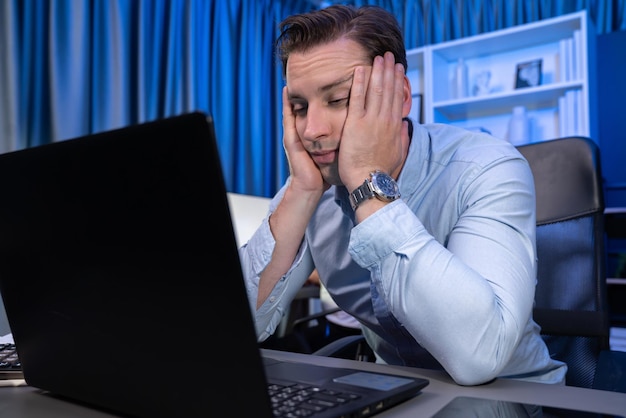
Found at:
[27, 402]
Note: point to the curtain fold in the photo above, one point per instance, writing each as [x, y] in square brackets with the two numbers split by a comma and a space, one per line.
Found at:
[75, 67]
[9, 121]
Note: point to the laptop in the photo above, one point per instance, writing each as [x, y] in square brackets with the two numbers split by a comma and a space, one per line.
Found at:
[121, 280]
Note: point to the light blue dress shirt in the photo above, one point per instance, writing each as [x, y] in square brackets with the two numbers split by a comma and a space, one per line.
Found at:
[442, 278]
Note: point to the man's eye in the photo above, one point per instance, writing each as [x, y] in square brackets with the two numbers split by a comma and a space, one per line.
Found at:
[298, 110]
[339, 102]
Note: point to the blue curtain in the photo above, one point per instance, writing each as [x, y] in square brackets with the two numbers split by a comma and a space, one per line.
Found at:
[74, 67]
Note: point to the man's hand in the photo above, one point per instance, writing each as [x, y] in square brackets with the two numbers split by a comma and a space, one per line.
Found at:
[305, 175]
[374, 135]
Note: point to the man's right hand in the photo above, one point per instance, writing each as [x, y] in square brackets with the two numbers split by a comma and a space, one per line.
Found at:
[305, 175]
[288, 222]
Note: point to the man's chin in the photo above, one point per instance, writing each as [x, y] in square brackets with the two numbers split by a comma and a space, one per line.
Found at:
[332, 180]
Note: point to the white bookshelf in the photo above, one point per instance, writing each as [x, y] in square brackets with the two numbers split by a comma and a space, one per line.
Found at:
[431, 70]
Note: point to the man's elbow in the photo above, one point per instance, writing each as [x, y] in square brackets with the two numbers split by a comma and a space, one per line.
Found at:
[475, 372]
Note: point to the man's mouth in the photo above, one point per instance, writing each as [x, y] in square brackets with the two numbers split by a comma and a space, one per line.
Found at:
[324, 157]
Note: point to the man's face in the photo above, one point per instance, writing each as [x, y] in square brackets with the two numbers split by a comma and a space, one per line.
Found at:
[318, 84]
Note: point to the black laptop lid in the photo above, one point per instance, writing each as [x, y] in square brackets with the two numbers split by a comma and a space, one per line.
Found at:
[115, 256]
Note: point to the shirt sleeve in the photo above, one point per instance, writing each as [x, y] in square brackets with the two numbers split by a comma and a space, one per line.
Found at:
[467, 299]
[255, 256]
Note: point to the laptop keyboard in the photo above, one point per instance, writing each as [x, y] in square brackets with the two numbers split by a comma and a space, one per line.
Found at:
[288, 400]
[295, 400]
[299, 400]
[10, 366]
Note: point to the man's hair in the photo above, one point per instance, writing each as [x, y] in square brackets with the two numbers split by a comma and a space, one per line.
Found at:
[372, 27]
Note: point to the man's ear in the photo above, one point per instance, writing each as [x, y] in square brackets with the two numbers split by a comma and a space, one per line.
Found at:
[408, 98]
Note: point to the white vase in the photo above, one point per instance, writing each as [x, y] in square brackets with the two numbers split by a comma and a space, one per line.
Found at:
[519, 126]
[460, 79]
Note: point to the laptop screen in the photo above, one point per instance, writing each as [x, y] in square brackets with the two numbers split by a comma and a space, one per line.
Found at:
[120, 274]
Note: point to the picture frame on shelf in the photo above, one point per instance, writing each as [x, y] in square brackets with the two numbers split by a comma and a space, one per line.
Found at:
[481, 83]
[416, 108]
[528, 74]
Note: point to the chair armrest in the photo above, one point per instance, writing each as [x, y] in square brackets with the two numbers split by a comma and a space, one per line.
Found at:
[339, 347]
[319, 315]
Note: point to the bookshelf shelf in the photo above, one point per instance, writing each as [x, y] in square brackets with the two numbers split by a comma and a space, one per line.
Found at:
[564, 45]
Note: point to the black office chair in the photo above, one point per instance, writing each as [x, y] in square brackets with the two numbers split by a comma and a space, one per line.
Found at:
[571, 296]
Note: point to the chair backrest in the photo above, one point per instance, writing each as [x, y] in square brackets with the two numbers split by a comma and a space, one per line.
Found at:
[570, 300]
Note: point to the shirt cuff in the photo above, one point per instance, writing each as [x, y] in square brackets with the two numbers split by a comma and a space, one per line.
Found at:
[383, 233]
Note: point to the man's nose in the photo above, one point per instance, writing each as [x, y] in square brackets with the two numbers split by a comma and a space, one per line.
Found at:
[317, 123]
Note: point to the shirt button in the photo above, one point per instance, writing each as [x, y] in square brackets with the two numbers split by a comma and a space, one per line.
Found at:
[272, 299]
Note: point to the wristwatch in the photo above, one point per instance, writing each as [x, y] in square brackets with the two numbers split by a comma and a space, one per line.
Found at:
[380, 185]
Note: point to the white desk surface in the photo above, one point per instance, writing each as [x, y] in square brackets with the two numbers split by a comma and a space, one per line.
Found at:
[442, 390]
[28, 402]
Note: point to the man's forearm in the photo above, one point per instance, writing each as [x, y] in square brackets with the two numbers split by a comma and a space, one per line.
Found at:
[288, 224]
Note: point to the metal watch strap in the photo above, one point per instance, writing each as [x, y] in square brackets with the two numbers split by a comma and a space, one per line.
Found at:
[361, 193]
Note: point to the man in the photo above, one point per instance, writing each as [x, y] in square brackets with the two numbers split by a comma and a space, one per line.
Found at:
[439, 265]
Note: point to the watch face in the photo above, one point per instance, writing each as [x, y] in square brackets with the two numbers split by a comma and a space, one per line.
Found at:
[385, 185]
